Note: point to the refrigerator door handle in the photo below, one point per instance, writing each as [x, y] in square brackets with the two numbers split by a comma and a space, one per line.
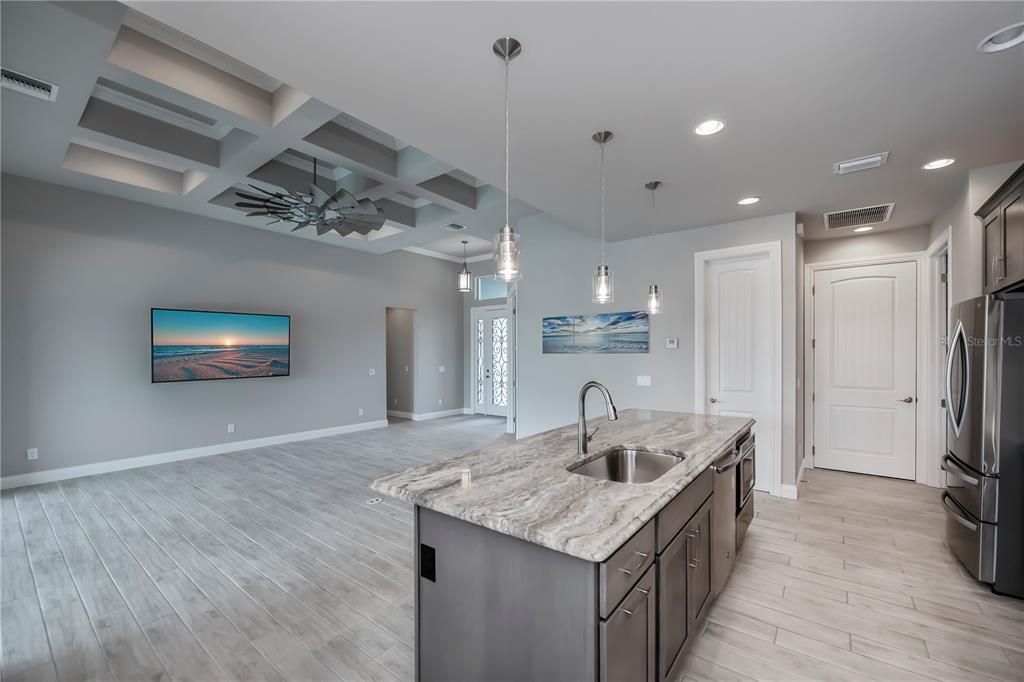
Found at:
[956, 514]
[951, 468]
[959, 337]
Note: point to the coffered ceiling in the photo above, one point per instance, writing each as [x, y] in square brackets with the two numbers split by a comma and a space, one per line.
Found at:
[147, 113]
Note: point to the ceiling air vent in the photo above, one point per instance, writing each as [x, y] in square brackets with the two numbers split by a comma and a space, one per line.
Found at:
[855, 217]
[28, 85]
[860, 164]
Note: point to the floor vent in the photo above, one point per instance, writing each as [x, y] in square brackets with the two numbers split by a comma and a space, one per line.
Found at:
[28, 85]
[855, 217]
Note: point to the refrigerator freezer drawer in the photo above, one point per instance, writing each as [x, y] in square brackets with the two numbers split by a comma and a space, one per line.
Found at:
[972, 541]
[972, 491]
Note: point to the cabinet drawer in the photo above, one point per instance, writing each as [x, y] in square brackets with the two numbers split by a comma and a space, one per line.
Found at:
[676, 513]
[622, 569]
[629, 636]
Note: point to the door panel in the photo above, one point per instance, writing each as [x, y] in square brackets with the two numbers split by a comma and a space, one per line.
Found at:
[992, 231]
[490, 362]
[737, 344]
[1013, 237]
[865, 360]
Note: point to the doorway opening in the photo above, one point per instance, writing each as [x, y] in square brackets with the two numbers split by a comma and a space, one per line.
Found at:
[400, 362]
[491, 376]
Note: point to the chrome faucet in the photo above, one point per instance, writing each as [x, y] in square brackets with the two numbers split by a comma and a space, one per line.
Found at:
[582, 437]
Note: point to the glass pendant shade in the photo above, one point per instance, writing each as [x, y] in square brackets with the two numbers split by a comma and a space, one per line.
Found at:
[506, 255]
[604, 286]
[653, 300]
[465, 280]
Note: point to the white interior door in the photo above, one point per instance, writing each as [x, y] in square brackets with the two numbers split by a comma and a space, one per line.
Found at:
[865, 369]
[490, 361]
[738, 349]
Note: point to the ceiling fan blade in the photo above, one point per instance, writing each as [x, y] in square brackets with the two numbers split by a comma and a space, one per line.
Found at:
[342, 199]
[257, 213]
[250, 204]
[320, 197]
[300, 225]
[253, 197]
[322, 229]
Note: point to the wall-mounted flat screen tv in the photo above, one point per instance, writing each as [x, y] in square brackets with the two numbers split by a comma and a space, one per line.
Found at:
[199, 345]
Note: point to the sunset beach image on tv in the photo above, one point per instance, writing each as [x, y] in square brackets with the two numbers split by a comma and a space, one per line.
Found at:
[195, 345]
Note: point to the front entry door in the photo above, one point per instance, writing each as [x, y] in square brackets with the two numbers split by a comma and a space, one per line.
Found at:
[738, 349]
[490, 361]
[865, 369]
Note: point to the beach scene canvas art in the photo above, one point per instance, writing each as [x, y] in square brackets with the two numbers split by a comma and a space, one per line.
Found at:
[194, 345]
[627, 332]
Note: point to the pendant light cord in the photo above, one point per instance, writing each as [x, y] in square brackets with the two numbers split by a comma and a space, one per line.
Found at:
[653, 212]
[602, 203]
[507, 143]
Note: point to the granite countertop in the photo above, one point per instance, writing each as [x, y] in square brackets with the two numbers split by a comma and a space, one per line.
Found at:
[522, 488]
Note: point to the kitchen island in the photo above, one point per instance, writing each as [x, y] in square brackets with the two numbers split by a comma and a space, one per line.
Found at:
[527, 569]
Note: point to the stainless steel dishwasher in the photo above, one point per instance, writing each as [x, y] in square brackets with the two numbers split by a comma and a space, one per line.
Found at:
[723, 520]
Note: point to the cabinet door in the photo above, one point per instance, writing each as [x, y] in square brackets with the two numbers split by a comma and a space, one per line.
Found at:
[1012, 211]
[992, 232]
[673, 616]
[629, 636]
[698, 577]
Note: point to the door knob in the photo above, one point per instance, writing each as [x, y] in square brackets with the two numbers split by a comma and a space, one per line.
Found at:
[714, 400]
[908, 399]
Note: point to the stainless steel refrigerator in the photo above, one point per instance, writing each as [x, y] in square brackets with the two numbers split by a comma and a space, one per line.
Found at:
[984, 462]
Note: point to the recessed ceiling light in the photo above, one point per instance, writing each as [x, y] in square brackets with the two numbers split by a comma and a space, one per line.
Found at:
[866, 228]
[1003, 39]
[938, 163]
[747, 201]
[709, 127]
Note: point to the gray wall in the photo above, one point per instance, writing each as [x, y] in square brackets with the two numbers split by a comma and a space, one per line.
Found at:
[80, 272]
[869, 245]
[400, 361]
[557, 267]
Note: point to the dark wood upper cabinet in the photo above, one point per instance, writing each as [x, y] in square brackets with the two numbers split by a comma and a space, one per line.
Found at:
[1002, 219]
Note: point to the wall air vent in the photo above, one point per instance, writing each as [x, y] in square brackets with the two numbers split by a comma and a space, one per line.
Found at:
[860, 164]
[28, 85]
[855, 217]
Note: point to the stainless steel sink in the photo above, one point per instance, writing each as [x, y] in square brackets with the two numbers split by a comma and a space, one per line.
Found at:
[628, 464]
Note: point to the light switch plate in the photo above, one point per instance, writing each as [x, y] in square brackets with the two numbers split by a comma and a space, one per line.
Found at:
[672, 342]
[643, 380]
[442, 369]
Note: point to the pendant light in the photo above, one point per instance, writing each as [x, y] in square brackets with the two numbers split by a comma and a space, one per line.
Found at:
[653, 293]
[465, 276]
[604, 291]
[506, 242]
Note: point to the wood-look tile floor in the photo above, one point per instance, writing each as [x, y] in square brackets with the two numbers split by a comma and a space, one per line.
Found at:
[276, 563]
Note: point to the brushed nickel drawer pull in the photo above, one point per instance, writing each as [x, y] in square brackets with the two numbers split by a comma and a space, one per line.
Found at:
[643, 559]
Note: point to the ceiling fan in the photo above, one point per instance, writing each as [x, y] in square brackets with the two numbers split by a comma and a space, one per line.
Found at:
[341, 212]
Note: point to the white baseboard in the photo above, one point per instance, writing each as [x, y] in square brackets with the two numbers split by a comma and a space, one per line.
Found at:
[788, 491]
[64, 473]
[424, 416]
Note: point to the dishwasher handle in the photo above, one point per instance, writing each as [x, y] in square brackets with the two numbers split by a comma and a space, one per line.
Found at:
[728, 466]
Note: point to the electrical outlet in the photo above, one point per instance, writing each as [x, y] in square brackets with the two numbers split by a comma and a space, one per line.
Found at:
[395, 402]
[372, 371]
[231, 428]
[32, 453]
[407, 368]
[442, 369]
[440, 402]
[643, 380]
[360, 412]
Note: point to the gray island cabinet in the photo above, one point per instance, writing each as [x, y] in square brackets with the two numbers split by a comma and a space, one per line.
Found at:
[530, 571]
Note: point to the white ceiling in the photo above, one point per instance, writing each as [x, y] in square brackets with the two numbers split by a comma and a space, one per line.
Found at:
[800, 85]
